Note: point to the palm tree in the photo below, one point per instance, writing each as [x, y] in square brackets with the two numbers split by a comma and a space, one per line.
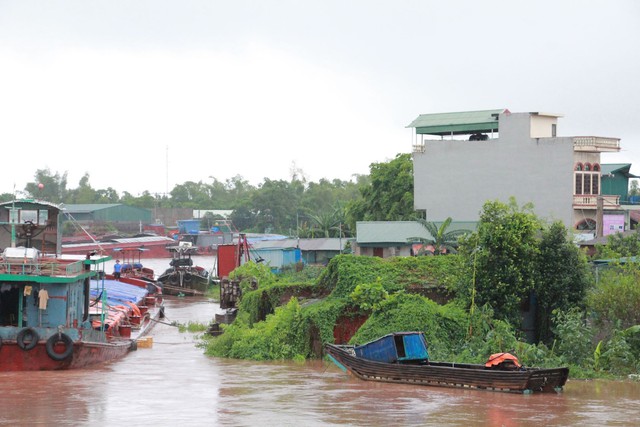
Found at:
[441, 241]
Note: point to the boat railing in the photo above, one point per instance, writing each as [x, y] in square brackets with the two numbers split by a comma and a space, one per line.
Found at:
[41, 268]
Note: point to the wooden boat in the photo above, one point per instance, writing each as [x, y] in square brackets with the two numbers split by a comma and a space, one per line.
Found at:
[182, 277]
[403, 358]
[132, 263]
[61, 311]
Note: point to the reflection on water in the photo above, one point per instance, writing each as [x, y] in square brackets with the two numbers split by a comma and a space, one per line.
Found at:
[173, 382]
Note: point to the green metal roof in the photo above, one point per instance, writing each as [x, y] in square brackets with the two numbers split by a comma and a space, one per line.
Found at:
[622, 168]
[73, 208]
[457, 123]
[397, 232]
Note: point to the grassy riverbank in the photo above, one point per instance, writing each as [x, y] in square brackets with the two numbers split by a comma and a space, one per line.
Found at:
[290, 316]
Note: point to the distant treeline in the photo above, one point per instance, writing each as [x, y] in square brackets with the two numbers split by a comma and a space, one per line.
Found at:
[326, 208]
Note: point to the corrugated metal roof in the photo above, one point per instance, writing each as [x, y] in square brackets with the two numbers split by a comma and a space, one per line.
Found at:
[320, 244]
[20, 202]
[399, 231]
[83, 208]
[623, 168]
[389, 231]
[457, 123]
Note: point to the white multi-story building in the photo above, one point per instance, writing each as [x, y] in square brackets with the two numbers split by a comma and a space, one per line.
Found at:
[462, 160]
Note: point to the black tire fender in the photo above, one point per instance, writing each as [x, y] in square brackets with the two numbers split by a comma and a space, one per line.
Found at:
[24, 333]
[173, 279]
[187, 278]
[56, 339]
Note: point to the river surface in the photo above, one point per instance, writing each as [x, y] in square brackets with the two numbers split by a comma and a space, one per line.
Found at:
[174, 383]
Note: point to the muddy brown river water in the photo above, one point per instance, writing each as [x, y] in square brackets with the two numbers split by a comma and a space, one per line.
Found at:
[174, 384]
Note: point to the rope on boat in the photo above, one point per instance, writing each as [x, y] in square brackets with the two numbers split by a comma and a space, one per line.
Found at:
[77, 225]
[165, 323]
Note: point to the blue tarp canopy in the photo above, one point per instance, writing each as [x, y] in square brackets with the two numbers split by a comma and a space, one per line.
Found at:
[117, 293]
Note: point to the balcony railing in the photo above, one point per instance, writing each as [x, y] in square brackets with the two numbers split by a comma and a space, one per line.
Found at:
[596, 144]
[590, 201]
[419, 147]
[41, 267]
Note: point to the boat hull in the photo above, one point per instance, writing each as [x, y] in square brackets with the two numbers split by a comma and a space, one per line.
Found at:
[444, 374]
[153, 249]
[183, 282]
[84, 354]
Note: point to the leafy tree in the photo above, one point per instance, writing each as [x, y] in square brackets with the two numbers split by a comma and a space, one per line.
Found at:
[501, 254]
[276, 204]
[441, 241]
[6, 197]
[389, 195]
[107, 196]
[618, 245]
[53, 188]
[615, 300]
[561, 279]
[84, 194]
[239, 190]
[192, 195]
[145, 200]
[634, 189]
[243, 217]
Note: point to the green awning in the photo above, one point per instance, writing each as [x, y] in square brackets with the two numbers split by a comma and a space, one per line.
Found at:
[457, 123]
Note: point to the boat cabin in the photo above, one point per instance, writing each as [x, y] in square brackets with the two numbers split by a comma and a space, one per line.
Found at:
[39, 288]
[399, 347]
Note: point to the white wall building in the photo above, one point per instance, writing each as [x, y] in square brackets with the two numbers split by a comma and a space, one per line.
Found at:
[462, 160]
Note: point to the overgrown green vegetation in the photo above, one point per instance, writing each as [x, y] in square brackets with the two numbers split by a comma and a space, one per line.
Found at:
[512, 262]
[192, 327]
[591, 326]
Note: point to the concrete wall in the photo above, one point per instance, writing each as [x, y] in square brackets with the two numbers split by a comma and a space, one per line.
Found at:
[454, 178]
[387, 252]
[542, 126]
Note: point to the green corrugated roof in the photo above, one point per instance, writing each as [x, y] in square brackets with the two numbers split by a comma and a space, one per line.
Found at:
[397, 232]
[457, 123]
[90, 207]
[612, 168]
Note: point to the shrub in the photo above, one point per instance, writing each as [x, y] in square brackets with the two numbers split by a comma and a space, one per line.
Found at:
[368, 296]
[574, 337]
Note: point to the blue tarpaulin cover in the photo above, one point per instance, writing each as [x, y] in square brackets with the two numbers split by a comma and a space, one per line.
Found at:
[117, 293]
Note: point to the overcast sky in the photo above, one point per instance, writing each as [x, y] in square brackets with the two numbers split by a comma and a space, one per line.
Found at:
[144, 95]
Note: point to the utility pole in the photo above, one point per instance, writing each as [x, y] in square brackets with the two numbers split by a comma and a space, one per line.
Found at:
[599, 216]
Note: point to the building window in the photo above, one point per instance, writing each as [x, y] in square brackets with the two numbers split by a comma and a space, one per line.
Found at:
[587, 166]
[579, 183]
[553, 130]
[586, 224]
[596, 167]
[587, 183]
[578, 166]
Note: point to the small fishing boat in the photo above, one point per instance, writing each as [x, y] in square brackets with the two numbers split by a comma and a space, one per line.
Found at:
[182, 277]
[132, 263]
[403, 358]
[62, 311]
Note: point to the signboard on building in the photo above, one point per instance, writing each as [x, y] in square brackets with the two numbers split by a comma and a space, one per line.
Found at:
[612, 224]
